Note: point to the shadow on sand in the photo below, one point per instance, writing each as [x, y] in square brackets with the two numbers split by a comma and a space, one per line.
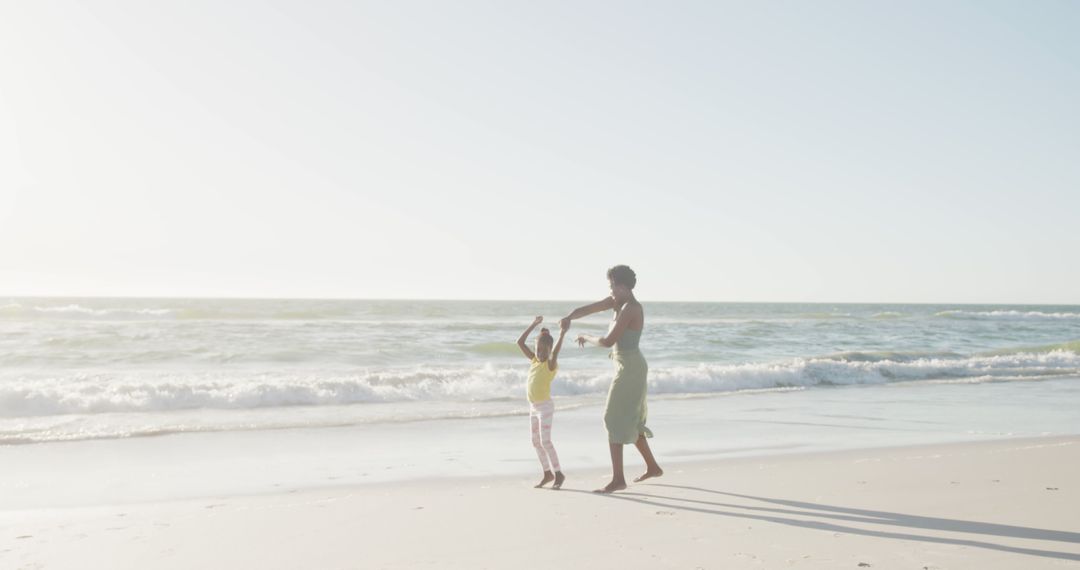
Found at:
[824, 517]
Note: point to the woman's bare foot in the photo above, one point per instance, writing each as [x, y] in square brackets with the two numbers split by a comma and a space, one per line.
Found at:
[611, 487]
[548, 477]
[559, 478]
[649, 474]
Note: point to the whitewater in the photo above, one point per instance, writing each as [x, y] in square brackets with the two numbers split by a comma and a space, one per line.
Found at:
[77, 369]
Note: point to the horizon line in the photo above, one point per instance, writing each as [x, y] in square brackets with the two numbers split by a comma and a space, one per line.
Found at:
[434, 299]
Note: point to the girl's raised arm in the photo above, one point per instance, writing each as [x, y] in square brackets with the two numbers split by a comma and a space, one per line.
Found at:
[553, 362]
[525, 335]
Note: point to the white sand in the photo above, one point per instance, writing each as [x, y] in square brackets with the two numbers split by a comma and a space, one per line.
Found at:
[1006, 504]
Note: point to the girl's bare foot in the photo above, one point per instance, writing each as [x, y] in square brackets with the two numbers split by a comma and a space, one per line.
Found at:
[548, 477]
[611, 487]
[559, 478]
[649, 474]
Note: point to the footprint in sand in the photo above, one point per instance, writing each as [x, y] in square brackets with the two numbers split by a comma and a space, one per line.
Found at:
[24, 536]
[667, 513]
[1051, 488]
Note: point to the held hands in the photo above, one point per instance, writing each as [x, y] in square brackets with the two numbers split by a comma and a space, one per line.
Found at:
[564, 324]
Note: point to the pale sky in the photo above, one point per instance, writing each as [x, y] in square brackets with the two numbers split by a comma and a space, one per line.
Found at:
[728, 151]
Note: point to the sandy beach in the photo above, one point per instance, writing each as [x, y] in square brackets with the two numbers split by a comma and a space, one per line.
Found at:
[996, 504]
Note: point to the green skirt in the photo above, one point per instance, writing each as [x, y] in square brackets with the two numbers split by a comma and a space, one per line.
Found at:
[626, 411]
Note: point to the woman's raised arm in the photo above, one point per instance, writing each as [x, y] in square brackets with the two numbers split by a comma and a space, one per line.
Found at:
[621, 323]
[605, 304]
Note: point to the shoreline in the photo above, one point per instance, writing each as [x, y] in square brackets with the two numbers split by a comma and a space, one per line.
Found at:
[1004, 503]
[632, 463]
[205, 464]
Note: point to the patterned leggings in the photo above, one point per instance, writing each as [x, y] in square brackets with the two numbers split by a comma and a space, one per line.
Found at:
[540, 414]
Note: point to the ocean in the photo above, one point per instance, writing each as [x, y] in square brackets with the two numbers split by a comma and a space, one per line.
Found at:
[252, 396]
[74, 369]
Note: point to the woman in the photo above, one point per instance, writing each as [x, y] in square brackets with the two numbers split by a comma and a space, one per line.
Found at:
[625, 412]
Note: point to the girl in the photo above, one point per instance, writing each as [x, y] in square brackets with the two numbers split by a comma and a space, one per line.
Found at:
[544, 365]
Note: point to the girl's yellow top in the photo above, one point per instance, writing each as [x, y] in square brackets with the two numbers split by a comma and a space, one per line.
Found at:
[540, 377]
